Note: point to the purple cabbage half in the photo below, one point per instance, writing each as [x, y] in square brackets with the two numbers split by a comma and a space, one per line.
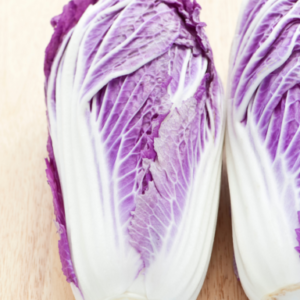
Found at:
[263, 147]
[135, 139]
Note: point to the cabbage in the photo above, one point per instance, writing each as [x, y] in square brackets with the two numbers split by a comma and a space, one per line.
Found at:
[136, 126]
[262, 148]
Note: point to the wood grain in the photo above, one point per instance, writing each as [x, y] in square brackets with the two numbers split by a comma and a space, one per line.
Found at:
[29, 261]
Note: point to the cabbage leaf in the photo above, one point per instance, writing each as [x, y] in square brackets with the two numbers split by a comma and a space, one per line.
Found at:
[136, 129]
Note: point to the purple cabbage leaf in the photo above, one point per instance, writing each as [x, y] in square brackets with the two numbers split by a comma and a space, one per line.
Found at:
[263, 146]
[135, 139]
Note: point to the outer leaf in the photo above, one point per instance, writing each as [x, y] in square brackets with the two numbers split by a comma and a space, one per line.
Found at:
[263, 148]
[135, 115]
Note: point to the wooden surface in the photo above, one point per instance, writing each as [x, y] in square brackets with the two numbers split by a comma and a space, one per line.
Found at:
[29, 261]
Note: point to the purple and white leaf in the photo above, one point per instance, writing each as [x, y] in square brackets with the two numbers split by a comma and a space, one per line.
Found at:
[263, 146]
[136, 126]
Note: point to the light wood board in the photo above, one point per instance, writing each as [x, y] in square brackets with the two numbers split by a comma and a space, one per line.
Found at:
[29, 263]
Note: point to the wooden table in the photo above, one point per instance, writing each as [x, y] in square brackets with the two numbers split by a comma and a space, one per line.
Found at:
[29, 263]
